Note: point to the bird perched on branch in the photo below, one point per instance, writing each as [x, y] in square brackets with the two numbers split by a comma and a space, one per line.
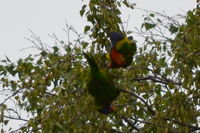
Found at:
[101, 87]
[122, 51]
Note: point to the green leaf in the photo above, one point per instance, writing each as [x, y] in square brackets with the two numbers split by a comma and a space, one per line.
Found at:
[56, 49]
[152, 14]
[125, 2]
[87, 28]
[132, 5]
[82, 11]
[129, 32]
[159, 20]
[84, 44]
[148, 26]
[145, 96]
[119, 3]
[13, 85]
[29, 58]
[1, 68]
[8, 59]
[43, 53]
[6, 122]
[173, 29]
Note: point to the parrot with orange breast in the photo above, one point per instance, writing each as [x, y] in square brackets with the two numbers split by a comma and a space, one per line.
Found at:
[122, 50]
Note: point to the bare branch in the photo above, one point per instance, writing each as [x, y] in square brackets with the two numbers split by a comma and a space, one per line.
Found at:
[14, 118]
[15, 93]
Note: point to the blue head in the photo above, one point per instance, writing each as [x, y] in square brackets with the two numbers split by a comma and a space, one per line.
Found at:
[115, 37]
[107, 110]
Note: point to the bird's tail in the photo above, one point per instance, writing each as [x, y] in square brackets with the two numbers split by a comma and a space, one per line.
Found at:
[91, 61]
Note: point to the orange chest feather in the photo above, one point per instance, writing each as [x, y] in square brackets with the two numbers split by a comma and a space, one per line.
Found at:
[117, 57]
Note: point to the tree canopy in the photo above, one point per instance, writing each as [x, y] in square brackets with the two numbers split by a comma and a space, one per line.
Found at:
[160, 90]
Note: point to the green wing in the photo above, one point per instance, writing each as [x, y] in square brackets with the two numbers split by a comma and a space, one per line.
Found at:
[103, 89]
[101, 85]
[126, 47]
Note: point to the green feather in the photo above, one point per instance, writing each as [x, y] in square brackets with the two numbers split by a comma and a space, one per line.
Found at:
[126, 46]
[100, 85]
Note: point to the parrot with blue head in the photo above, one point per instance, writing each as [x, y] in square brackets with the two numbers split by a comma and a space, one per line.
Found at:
[122, 50]
[101, 87]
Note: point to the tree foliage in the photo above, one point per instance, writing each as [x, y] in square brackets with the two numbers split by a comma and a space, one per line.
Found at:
[160, 91]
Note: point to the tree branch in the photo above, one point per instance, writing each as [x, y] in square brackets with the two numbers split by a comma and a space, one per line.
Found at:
[157, 79]
[128, 121]
[13, 118]
[115, 131]
[140, 121]
[192, 128]
[133, 94]
[15, 93]
[162, 79]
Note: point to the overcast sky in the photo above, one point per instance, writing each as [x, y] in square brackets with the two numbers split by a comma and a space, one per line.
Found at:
[45, 17]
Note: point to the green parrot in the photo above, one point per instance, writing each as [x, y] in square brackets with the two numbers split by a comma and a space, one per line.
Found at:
[122, 50]
[101, 87]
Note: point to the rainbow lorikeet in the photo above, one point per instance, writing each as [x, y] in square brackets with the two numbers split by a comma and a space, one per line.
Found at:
[122, 50]
[101, 87]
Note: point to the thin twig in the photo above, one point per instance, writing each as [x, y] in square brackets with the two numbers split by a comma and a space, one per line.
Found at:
[140, 121]
[157, 79]
[13, 118]
[15, 93]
